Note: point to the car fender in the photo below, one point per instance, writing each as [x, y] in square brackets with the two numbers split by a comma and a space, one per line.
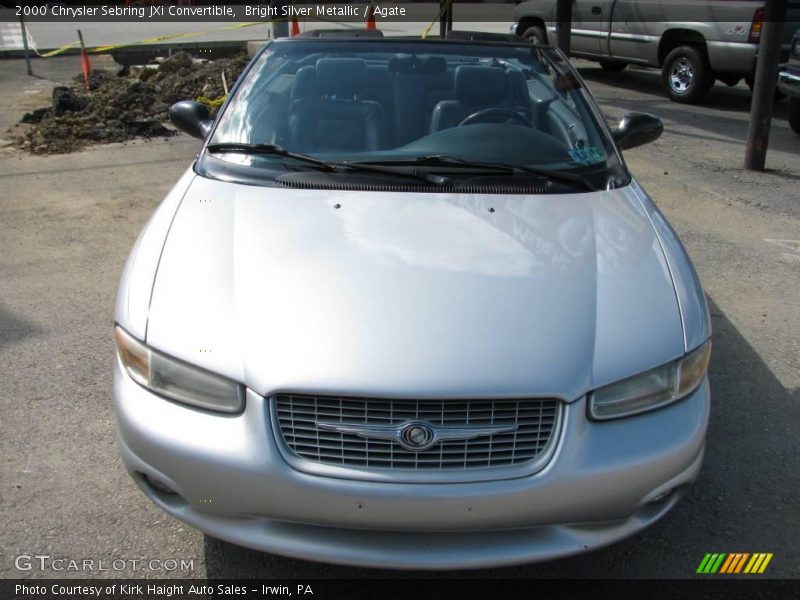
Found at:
[688, 289]
[136, 283]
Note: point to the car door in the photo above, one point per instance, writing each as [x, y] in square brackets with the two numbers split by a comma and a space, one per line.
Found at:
[590, 27]
[635, 30]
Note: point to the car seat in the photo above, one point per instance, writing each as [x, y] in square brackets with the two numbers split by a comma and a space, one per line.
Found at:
[478, 88]
[326, 113]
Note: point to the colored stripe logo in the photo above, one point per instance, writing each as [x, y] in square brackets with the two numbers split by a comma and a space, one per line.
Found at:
[734, 563]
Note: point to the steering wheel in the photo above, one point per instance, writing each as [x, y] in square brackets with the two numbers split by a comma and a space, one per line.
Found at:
[488, 113]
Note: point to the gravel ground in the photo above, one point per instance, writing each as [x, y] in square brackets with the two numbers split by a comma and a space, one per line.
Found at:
[123, 104]
[67, 223]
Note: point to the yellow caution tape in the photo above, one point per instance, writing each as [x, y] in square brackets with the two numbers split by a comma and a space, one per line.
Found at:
[151, 40]
[57, 51]
[241, 25]
[438, 18]
[212, 103]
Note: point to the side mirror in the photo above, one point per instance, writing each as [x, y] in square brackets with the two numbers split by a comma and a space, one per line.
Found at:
[191, 117]
[637, 129]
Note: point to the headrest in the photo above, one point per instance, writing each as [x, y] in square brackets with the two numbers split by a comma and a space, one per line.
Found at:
[304, 81]
[483, 86]
[379, 76]
[340, 77]
[417, 64]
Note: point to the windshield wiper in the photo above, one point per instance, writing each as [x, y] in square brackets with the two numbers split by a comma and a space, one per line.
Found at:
[560, 176]
[440, 160]
[376, 167]
[330, 166]
[269, 149]
[444, 160]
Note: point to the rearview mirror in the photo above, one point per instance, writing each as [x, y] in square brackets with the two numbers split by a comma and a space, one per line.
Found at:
[191, 117]
[637, 129]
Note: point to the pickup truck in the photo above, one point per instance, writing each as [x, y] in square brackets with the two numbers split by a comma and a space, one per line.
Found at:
[693, 42]
[789, 83]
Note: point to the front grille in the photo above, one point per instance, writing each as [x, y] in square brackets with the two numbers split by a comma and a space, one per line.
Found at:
[298, 414]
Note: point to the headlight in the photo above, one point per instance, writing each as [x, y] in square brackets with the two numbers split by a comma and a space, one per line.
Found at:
[175, 379]
[651, 389]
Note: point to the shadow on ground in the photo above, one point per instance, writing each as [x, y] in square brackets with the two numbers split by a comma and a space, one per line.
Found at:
[648, 81]
[14, 328]
[744, 500]
[726, 121]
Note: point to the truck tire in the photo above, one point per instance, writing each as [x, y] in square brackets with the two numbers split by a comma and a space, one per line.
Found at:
[613, 66]
[794, 114]
[535, 34]
[686, 75]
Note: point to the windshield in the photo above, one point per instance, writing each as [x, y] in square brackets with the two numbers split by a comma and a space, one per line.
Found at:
[439, 107]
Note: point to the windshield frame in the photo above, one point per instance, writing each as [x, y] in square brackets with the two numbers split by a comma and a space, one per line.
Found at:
[618, 174]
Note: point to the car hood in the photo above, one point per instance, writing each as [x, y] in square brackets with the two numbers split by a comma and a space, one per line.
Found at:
[414, 294]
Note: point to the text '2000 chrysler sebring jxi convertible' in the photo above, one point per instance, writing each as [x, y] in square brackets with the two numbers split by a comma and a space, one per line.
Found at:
[409, 309]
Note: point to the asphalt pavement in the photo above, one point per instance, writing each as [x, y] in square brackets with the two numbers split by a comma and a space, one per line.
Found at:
[66, 226]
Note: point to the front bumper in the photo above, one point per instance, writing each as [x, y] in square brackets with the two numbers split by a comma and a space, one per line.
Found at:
[233, 483]
[789, 80]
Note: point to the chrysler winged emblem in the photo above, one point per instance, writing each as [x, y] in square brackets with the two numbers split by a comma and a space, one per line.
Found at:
[416, 436]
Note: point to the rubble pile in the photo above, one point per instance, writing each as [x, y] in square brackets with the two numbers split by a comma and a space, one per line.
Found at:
[117, 107]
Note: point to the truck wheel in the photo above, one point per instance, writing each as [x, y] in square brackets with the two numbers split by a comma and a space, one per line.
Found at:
[686, 75]
[794, 114]
[612, 66]
[535, 35]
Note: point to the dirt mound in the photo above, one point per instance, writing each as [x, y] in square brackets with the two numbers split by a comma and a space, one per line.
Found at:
[133, 103]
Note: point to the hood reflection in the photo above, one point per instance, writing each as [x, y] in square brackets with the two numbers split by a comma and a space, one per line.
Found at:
[501, 235]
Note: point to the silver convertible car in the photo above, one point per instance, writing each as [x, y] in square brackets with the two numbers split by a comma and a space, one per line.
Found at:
[408, 308]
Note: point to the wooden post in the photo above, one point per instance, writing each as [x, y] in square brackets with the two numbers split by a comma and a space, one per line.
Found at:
[564, 25]
[25, 45]
[450, 16]
[280, 26]
[442, 19]
[769, 54]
